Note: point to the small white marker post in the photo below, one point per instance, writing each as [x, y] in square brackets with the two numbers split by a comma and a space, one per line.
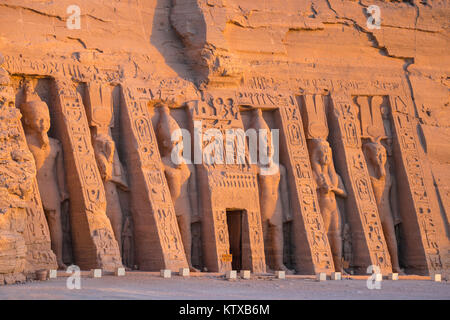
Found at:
[322, 276]
[96, 273]
[53, 274]
[436, 277]
[393, 276]
[184, 272]
[119, 272]
[280, 274]
[166, 273]
[336, 276]
[231, 275]
[378, 277]
[245, 274]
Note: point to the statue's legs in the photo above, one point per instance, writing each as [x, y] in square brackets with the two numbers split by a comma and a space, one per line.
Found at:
[332, 222]
[273, 243]
[389, 234]
[56, 234]
[184, 223]
[267, 243]
[114, 211]
[278, 248]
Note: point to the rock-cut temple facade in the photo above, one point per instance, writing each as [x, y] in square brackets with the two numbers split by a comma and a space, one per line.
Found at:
[353, 104]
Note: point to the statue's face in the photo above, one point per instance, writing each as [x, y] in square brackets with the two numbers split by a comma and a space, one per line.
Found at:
[38, 118]
[378, 154]
[325, 153]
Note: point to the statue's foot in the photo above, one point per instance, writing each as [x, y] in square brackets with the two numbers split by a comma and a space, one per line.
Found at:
[343, 272]
[399, 271]
[269, 270]
[192, 269]
[61, 266]
[286, 270]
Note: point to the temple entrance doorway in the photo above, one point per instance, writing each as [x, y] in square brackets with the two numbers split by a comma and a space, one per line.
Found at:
[234, 222]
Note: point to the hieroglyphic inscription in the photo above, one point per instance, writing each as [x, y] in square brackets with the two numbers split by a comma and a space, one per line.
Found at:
[222, 238]
[156, 196]
[262, 99]
[88, 209]
[79, 136]
[424, 201]
[315, 255]
[69, 70]
[362, 198]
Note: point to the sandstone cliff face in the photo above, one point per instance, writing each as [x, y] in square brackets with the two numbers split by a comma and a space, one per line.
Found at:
[260, 54]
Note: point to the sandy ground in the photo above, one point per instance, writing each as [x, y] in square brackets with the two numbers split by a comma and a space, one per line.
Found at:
[153, 287]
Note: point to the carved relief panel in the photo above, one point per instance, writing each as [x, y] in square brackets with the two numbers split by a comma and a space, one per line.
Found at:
[157, 236]
[313, 252]
[377, 148]
[426, 248]
[328, 183]
[93, 238]
[98, 99]
[369, 245]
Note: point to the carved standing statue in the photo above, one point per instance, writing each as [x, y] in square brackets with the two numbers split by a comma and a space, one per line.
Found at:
[274, 201]
[329, 184]
[382, 182]
[180, 178]
[48, 156]
[112, 177]
[127, 246]
[100, 113]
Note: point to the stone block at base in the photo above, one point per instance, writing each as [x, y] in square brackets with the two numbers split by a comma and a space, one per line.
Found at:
[393, 276]
[166, 274]
[184, 272]
[96, 273]
[436, 277]
[231, 275]
[245, 274]
[321, 276]
[336, 276]
[53, 274]
[119, 272]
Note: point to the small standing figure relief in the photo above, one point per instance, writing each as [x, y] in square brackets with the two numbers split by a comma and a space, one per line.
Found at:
[48, 155]
[382, 183]
[329, 184]
[127, 244]
[348, 253]
[274, 201]
[180, 178]
[113, 176]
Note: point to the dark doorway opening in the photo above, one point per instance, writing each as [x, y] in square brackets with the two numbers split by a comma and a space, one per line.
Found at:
[234, 221]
